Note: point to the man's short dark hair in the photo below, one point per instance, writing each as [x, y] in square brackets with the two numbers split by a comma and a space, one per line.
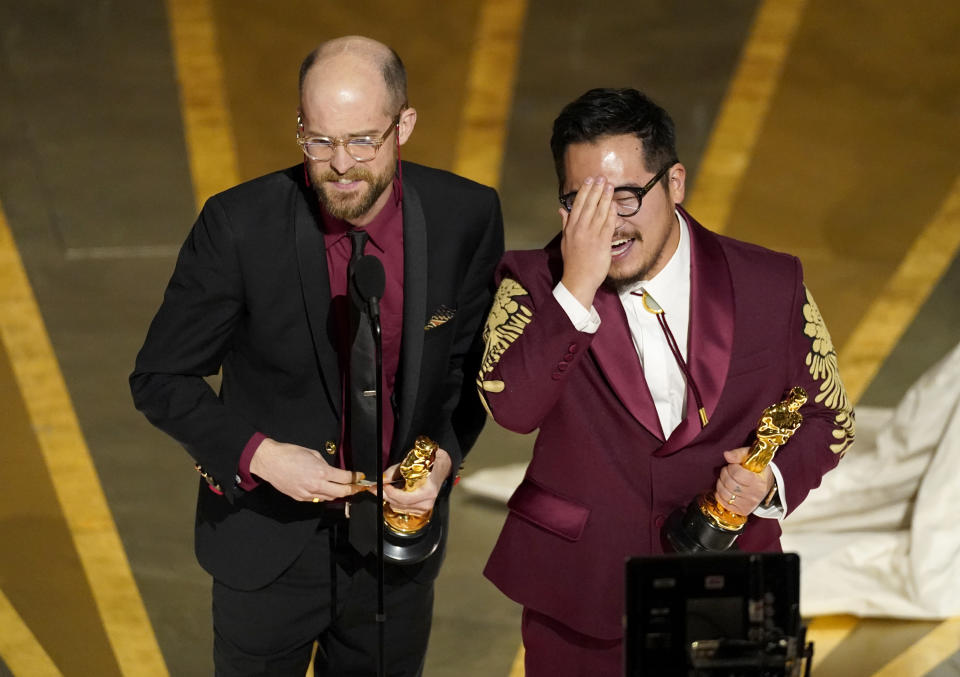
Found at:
[393, 71]
[611, 112]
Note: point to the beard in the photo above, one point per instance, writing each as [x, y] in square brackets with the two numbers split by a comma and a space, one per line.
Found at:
[626, 276]
[622, 284]
[357, 203]
[621, 281]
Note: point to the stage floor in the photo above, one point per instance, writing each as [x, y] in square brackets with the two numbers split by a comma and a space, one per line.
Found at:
[825, 129]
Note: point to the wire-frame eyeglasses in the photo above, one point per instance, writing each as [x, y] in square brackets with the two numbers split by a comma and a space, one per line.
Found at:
[360, 148]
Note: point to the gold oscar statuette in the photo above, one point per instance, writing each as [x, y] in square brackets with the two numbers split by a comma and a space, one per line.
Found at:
[707, 523]
[415, 470]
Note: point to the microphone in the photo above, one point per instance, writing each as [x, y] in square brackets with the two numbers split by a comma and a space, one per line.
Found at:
[369, 282]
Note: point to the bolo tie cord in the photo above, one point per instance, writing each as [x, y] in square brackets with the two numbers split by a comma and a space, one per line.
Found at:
[651, 306]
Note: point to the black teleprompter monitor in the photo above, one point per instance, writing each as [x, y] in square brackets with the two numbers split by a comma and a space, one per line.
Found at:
[726, 614]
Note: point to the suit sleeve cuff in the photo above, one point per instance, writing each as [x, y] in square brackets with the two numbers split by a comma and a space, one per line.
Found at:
[582, 319]
[778, 508]
[245, 479]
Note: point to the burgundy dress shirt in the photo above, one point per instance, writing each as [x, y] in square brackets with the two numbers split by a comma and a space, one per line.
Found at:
[386, 243]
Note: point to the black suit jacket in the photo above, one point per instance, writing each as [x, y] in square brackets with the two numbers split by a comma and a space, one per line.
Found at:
[250, 294]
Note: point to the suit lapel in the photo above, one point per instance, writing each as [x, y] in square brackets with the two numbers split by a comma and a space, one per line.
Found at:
[315, 287]
[617, 357]
[415, 267]
[711, 330]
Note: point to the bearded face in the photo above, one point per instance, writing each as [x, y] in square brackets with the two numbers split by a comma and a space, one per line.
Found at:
[350, 195]
[643, 243]
[344, 98]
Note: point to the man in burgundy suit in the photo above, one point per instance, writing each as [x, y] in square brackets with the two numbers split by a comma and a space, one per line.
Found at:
[644, 348]
[260, 290]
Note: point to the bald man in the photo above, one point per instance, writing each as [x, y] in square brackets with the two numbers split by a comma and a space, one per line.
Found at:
[260, 290]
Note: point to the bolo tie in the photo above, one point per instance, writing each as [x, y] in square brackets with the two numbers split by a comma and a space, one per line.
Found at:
[651, 306]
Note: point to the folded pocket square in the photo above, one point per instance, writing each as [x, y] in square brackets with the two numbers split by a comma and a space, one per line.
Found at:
[443, 315]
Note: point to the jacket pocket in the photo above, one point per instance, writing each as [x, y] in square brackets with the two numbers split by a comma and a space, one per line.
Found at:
[548, 510]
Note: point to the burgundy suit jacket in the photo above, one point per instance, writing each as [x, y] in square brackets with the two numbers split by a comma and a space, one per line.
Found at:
[603, 480]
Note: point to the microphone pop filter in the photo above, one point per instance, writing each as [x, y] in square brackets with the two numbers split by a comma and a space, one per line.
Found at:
[369, 279]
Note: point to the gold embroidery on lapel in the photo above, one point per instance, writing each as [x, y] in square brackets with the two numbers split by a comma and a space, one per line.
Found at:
[443, 315]
[822, 361]
[505, 323]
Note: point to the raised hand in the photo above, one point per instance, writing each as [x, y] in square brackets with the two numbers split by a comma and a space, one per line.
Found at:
[587, 233]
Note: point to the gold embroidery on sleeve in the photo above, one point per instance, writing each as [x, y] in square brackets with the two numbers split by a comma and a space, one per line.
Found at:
[505, 323]
[822, 361]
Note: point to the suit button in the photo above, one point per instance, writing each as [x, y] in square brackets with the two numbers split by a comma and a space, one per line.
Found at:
[568, 357]
[555, 376]
[330, 447]
[562, 366]
[572, 348]
[659, 521]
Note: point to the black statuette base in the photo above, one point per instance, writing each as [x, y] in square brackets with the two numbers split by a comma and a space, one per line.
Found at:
[401, 548]
[690, 531]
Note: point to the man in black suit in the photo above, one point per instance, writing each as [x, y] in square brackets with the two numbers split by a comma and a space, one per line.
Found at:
[260, 291]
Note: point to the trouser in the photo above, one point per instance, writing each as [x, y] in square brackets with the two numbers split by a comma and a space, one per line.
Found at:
[328, 595]
[551, 649]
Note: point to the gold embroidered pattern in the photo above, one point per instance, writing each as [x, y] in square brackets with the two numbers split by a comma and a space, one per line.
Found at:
[208, 477]
[443, 315]
[822, 362]
[506, 321]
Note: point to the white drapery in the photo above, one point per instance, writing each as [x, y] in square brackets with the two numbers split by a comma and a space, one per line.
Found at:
[881, 535]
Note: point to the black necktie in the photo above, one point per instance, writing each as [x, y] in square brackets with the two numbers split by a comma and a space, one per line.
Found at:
[362, 398]
[361, 407]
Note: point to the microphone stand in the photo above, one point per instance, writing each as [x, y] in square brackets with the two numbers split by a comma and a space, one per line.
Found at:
[368, 282]
[378, 350]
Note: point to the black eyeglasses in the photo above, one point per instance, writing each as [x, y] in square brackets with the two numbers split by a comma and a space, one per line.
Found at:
[627, 198]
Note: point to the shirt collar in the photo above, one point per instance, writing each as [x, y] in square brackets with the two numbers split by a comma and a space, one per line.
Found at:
[670, 287]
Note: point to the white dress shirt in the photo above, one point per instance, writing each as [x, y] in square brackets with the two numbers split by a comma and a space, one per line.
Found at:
[670, 288]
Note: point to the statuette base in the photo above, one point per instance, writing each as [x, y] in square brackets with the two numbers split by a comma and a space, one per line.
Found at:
[690, 531]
